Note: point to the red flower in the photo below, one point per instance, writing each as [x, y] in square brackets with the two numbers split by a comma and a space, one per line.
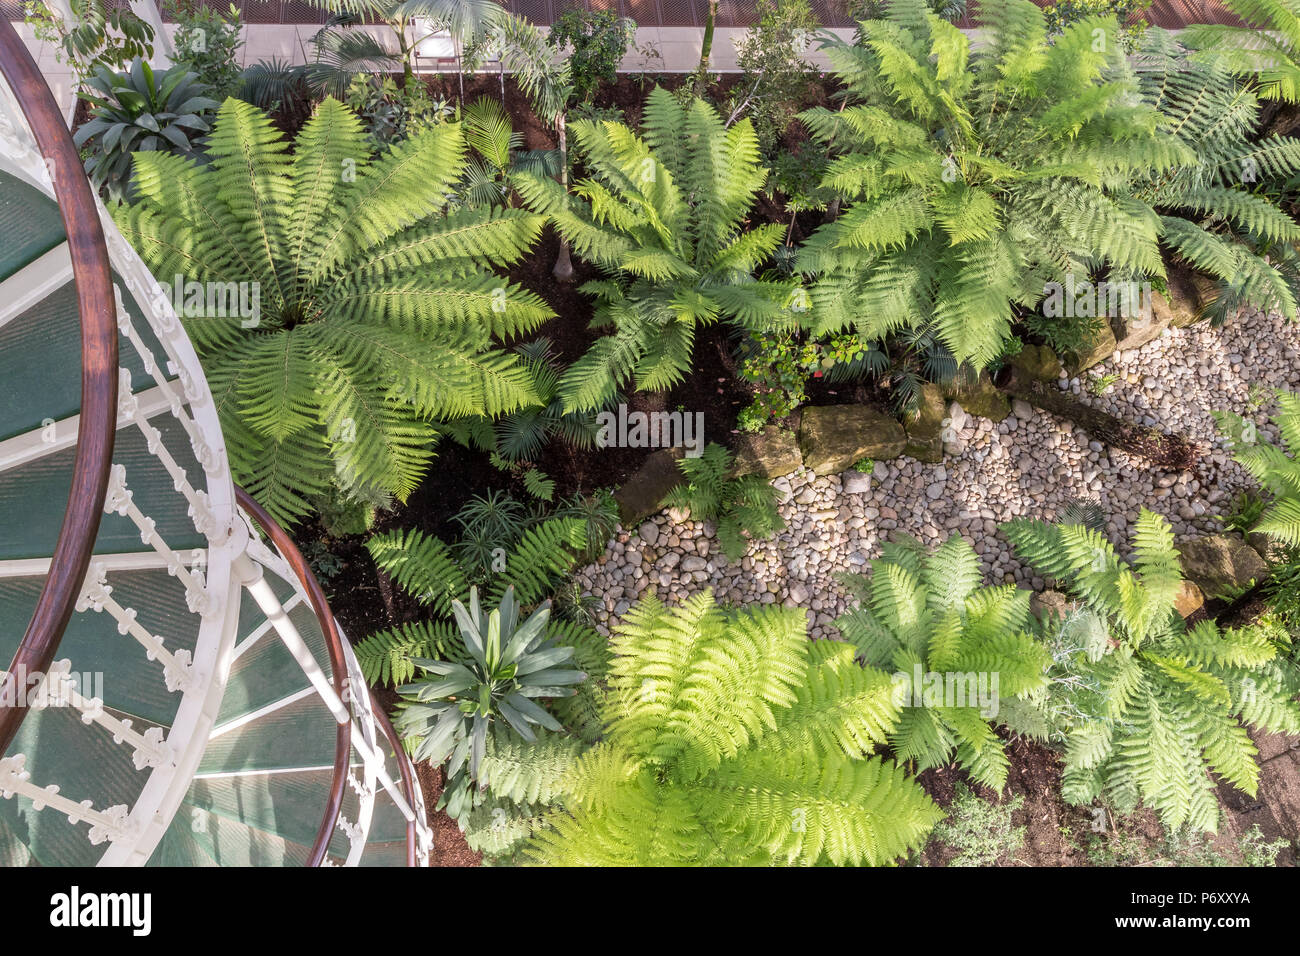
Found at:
[817, 374]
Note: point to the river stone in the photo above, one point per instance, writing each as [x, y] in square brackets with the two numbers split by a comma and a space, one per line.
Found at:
[1220, 563]
[1135, 331]
[925, 427]
[835, 437]
[773, 452]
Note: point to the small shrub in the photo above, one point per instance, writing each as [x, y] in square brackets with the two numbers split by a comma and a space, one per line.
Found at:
[1066, 12]
[594, 42]
[980, 830]
[208, 41]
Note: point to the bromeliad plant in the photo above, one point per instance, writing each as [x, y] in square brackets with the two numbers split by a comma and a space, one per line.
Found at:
[504, 668]
[732, 739]
[1145, 705]
[379, 310]
[976, 176]
[663, 214]
[924, 619]
[140, 111]
[1276, 469]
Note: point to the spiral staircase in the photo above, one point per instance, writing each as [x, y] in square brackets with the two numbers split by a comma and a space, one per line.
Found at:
[179, 692]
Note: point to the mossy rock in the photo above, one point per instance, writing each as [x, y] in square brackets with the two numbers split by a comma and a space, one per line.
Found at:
[773, 452]
[833, 438]
[1038, 362]
[924, 427]
[981, 397]
[1220, 564]
[1096, 349]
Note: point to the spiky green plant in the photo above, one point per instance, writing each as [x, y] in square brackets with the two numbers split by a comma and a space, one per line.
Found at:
[1266, 49]
[663, 215]
[975, 176]
[744, 507]
[379, 309]
[140, 111]
[502, 669]
[1276, 469]
[1152, 706]
[733, 739]
[954, 650]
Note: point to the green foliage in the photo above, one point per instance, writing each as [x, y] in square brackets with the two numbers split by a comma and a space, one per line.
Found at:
[1265, 49]
[743, 508]
[1146, 707]
[977, 175]
[140, 111]
[663, 215]
[1129, 846]
[1065, 12]
[96, 36]
[1212, 211]
[1085, 511]
[779, 364]
[594, 43]
[775, 74]
[950, 10]
[379, 310]
[504, 669]
[980, 830]
[924, 619]
[392, 113]
[732, 739]
[207, 41]
[1276, 469]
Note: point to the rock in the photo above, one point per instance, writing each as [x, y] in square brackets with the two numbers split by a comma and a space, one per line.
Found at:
[1095, 350]
[982, 398]
[1045, 603]
[925, 428]
[956, 417]
[693, 563]
[1135, 331]
[1022, 410]
[1188, 291]
[856, 483]
[648, 532]
[1038, 362]
[798, 595]
[1189, 599]
[1220, 563]
[835, 437]
[773, 452]
[643, 494]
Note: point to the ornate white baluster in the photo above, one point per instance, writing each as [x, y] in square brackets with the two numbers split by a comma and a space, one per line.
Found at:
[58, 689]
[119, 501]
[96, 595]
[202, 451]
[107, 824]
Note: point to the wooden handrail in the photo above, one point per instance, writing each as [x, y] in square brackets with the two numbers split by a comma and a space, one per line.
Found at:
[98, 422]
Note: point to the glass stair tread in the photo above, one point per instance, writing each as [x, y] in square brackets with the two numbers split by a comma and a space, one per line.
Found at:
[29, 221]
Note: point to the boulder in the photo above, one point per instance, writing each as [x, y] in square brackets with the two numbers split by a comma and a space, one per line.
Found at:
[1188, 293]
[1096, 349]
[1220, 563]
[1189, 600]
[981, 397]
[1135, 331]
[1049, 603]
[773, 452]
[925, 427]
[833, 438]
[642, 495]
[1038, 362]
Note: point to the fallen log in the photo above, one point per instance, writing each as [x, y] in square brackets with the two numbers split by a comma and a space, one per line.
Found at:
[1169, 452]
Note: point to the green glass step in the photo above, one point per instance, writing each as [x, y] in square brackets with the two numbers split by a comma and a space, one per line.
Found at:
[390, 854]
[40, 361]
[266, 672]
[33, 498]
[300, 735]
[178, 846]
[29, 222]
[229, 842]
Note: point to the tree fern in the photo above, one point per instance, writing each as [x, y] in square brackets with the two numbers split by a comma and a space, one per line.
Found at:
[663, 215]
[733, 740]
[379, 310]
[1146, 707]
[1276, 469]
[924, 619]
[975, 176]
[1265, 50]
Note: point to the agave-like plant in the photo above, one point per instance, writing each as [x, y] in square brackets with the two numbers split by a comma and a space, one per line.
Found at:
[140, 111]
[506, 667]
